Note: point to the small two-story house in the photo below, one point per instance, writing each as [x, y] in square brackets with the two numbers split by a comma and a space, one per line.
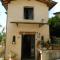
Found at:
[27, 26]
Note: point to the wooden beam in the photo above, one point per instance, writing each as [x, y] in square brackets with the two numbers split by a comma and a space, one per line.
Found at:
[27, 33]
[28, 23]
[40, 24]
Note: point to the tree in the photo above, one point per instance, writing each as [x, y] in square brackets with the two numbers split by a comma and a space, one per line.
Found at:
[54, 21]
[2, 35]
[54, 25]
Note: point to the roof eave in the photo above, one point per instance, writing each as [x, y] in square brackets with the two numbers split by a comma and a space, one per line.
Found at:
[50, 4]
[5, 3]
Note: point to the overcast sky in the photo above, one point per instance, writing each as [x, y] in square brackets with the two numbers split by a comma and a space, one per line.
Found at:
[3, 16]
[56, 8]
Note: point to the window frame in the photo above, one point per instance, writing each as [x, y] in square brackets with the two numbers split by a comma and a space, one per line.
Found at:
[29, 7]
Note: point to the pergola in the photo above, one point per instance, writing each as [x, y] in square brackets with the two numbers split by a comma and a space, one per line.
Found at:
[49, 3]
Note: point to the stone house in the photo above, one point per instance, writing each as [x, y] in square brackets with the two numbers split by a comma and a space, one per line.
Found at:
[27, 27]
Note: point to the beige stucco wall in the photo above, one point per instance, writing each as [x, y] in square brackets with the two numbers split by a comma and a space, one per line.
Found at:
[15, 13]
[17, 10]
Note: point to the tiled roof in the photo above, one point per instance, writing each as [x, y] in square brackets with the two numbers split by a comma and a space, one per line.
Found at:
[49, 3]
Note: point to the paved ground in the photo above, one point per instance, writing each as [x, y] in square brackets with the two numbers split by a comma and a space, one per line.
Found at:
[1, 58]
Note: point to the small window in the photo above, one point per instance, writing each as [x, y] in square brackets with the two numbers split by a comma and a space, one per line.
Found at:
[14, 40]
[42, 42]
[28, 13]
[42, 37]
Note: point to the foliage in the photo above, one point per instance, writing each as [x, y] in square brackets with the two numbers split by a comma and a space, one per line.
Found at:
[2, 35]
[13, 54]
[54, 24]
[54, 21]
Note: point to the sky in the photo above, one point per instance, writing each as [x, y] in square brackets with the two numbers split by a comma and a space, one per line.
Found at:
[56, 8]
[3, 16]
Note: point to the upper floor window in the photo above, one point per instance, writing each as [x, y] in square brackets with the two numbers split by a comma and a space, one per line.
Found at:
[28, 13]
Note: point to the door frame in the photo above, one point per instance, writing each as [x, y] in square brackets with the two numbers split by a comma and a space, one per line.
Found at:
[28, 33]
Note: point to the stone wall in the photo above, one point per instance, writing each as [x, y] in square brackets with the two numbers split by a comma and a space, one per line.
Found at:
[51, 55]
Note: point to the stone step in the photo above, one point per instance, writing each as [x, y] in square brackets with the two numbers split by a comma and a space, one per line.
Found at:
[28, 59]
